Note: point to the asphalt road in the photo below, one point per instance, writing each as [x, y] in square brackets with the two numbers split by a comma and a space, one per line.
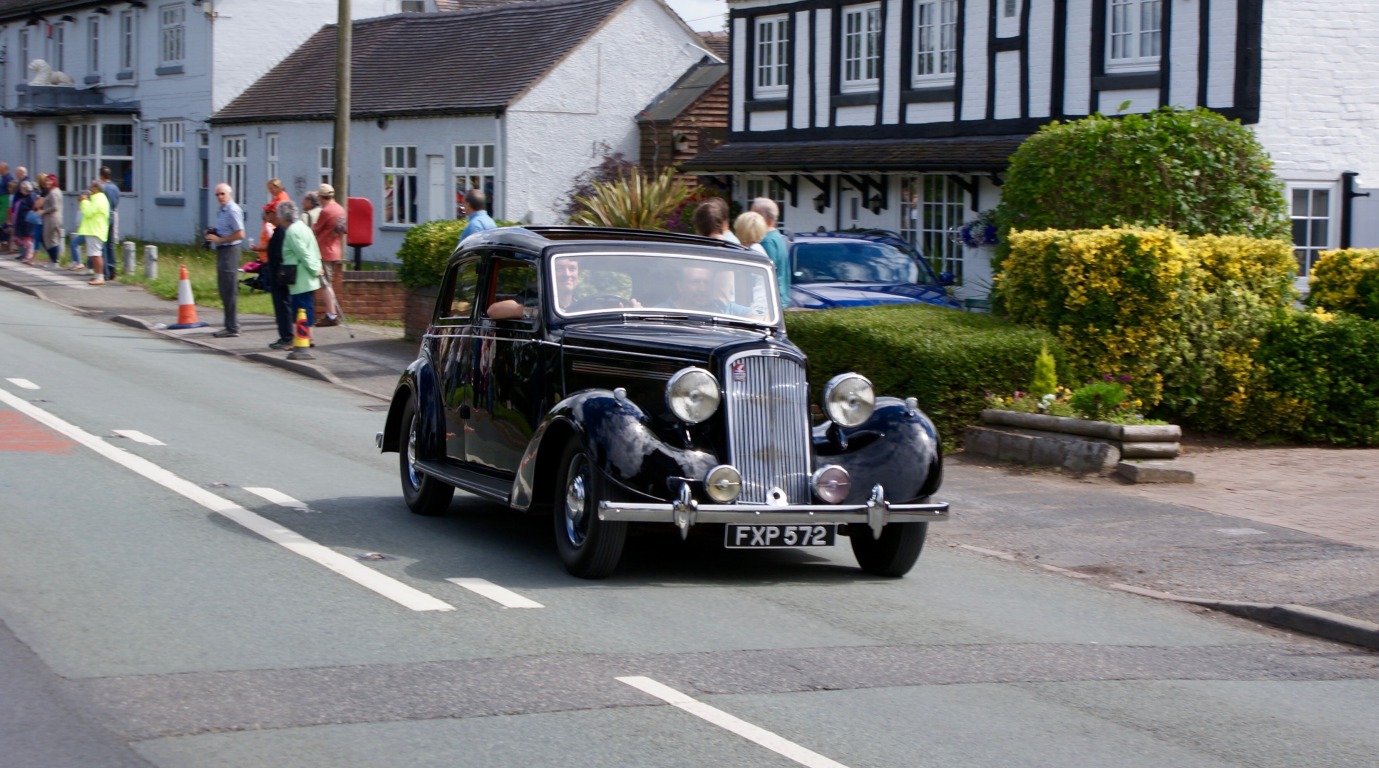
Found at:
[204, 562]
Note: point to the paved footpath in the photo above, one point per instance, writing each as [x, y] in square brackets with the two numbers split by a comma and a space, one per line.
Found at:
[1284, 535]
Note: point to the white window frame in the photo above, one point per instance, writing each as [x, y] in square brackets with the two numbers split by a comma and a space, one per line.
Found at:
[400, 184]
[234, 164]
[59, 61]
[772, 57]
[93, 44]
[325, 165]
[931, 205]
[84, 147]
[1314, 222]
[765, 186]
[270, 146]
[1134, 35]
[473, 167]
[1010, 8]
[129, 28]
[861, 58]
[172, 35]
[935, 60]
[171, 151]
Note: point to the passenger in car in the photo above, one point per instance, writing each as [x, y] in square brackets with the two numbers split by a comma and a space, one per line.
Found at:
[696, 289]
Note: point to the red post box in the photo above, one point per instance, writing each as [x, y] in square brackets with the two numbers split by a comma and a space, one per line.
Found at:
[359, 217]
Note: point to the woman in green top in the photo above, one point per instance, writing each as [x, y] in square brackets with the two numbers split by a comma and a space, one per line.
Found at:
[95, 225]
[300, 250]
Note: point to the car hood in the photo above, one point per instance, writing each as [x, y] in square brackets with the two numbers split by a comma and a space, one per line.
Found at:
[839, 295]
[688, 342]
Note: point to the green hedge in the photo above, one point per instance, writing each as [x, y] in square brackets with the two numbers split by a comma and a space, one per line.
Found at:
[425, 249]
[948, 360]
[1347, 281]
[1329, 367]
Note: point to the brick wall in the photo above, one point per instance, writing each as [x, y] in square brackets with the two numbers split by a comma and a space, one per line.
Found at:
[368, 296]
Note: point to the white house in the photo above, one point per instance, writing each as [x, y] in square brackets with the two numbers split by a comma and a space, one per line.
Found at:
[146, 77]
[518, 98]
[900, 114]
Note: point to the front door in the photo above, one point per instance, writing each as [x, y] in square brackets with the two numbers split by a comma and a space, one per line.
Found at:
[438, 189]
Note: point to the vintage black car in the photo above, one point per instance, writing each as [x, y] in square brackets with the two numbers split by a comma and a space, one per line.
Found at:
[607, 377]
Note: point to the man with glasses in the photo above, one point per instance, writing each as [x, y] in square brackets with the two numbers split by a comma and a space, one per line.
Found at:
[227, 235]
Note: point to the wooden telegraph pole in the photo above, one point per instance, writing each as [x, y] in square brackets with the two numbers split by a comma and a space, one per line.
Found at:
[341, 167]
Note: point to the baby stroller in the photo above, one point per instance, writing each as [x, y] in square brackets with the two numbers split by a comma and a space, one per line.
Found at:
[253, 272]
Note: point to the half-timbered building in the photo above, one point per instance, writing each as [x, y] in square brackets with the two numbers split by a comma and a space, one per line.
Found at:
[902, 114]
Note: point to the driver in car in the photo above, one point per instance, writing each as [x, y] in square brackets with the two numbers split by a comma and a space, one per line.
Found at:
[566, 281]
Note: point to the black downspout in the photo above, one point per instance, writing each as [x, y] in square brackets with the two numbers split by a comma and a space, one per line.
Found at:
[1348, 195]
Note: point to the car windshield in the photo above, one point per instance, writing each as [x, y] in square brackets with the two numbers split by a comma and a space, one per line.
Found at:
[658, 283]
[853, 262]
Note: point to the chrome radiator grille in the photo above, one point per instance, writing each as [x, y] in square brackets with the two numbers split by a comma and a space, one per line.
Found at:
[768, 427]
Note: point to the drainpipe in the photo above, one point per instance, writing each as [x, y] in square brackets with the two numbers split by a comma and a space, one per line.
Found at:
[1348, 195]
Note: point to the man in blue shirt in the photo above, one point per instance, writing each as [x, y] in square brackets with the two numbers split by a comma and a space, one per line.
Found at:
[775, 246]
[227, 235]
[474, 207]
[112, 193]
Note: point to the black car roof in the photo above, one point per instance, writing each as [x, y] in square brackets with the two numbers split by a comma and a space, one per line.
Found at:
[535, 239]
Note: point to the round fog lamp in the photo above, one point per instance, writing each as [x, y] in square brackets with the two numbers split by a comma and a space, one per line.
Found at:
[849, 399]
[692, 395]
[831, 484]
[723, 483]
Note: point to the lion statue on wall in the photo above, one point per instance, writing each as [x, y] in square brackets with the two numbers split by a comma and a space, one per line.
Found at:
[43, 74]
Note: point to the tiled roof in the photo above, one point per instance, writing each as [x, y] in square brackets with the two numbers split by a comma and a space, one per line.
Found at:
[693, 84]
[415, 64]
[718, 42]
[967, 153]
[13, 9]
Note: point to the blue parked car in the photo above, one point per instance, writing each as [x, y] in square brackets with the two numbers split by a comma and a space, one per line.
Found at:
[832, 270]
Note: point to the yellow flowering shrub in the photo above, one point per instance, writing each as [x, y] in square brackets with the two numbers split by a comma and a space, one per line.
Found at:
[1347, 281]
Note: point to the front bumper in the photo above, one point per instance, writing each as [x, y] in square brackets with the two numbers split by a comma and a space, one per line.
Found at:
[685, 512]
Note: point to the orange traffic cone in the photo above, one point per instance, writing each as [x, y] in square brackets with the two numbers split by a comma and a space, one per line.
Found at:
[186, 305]
[301, 339]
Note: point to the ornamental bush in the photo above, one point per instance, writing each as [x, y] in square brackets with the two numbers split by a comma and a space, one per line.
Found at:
[1346, 281]
[1329, 366]
[1192, 171]
[1110, 296]
[425, 249]
[947, 360]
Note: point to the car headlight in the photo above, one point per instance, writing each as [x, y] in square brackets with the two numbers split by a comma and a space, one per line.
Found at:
[723, 483]
[831, 484]
[692, 395]
[849, 399]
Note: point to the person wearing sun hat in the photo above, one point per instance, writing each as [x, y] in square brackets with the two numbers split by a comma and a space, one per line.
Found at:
[329, 227]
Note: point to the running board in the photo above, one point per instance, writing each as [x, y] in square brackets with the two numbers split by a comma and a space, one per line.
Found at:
[497, 489]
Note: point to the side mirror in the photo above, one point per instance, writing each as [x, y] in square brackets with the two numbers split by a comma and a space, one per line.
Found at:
[946, 279]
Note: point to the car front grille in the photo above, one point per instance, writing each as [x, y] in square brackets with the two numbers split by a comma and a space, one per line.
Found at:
[768, 427]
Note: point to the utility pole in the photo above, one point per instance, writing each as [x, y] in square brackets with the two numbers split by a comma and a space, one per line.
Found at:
[341, 167]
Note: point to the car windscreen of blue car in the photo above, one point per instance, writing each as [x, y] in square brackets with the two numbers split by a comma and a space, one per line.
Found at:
[853, 262]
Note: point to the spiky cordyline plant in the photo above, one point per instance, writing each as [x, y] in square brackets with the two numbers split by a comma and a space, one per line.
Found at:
[632, 201]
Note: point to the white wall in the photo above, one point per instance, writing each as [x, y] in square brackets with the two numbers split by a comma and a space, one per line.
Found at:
[588, 106]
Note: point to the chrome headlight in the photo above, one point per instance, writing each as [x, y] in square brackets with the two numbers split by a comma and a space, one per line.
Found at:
[723, 483]
[692, 395]
[831, 484]
[849, 399]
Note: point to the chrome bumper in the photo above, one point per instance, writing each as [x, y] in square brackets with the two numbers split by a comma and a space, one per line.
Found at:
[685, 512]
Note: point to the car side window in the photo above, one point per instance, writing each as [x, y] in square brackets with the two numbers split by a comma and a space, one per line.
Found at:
[465, 289]
[516, 292]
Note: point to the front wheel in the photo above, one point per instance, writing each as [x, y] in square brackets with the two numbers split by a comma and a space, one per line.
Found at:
[894, 554]
[589, 547]
[425, 495]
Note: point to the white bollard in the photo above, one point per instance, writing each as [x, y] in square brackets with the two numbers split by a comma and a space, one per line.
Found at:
[128, 248]
[151, 262]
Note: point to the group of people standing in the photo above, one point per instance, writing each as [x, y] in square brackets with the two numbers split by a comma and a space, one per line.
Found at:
[754, 228]
[32, 217]
[298, 249]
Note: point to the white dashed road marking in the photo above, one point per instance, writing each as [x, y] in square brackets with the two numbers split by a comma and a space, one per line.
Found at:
[506, 597]
[137, 436]
[361, 574]
[279, 498]
[23, 383]
[718, 717]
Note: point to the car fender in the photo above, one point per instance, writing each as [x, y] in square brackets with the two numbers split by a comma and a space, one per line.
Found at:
[419, 381]
[897, 448]
[617, 436]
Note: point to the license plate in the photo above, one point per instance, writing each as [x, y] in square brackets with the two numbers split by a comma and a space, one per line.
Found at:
[778, 536]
